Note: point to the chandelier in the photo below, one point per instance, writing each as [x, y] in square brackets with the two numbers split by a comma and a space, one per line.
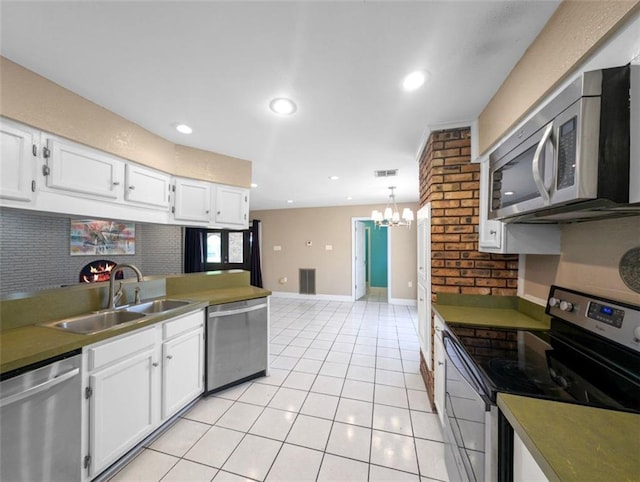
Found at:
[391, 215]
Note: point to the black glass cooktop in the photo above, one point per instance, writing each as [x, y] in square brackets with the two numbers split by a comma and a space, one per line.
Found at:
[540, 364]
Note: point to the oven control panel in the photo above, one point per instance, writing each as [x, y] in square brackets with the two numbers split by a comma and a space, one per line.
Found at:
[614, 320]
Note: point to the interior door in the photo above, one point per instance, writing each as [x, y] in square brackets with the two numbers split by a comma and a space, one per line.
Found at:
[360, 261]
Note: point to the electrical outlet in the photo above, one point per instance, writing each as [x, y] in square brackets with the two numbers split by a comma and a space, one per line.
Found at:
[283, 280]
[277, 248]
[410, 284]
[329, 247]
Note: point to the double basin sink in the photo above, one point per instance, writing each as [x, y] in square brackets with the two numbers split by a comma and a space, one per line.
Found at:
[106, 320]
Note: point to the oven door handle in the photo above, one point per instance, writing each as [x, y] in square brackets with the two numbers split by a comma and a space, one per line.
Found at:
[463, 367]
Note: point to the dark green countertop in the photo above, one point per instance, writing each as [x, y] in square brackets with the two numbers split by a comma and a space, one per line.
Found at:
[25, 345]
[574, 442]
[494, 311]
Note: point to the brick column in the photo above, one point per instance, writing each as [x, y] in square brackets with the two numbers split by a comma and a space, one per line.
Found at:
[451, 183]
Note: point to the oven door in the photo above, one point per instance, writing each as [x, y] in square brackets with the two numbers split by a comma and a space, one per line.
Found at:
[469, 425]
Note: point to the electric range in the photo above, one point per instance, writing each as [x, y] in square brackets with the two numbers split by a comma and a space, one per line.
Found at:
[589, 356]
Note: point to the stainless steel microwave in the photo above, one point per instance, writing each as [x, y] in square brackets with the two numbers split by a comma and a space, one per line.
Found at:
[571, 161]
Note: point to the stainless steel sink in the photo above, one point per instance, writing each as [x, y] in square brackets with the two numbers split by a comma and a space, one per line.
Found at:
[95, 322]
[156, 306]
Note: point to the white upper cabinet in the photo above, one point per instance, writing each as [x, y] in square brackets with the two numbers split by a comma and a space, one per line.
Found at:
[192, 201]
[231, 207]
[40, 171]
[498, 237]
[17, 161]
[147, 186]
[76, 168]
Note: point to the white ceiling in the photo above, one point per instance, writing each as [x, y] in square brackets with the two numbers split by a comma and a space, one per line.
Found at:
[216, 65]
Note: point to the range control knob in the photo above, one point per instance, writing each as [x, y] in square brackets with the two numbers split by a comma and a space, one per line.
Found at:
[553, 301]
[566, 306]
[636, 333]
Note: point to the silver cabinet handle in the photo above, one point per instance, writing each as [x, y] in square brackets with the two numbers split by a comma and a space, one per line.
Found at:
[169, 357]
[39, 388]
[155, 364]
[440, 363]
[493, 231]
[132, 187]
[116, 183]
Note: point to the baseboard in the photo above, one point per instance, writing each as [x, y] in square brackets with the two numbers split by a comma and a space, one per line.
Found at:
[403, 301]
[298, 296]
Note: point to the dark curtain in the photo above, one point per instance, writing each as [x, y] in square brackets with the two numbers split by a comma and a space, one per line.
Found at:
[195, 246]
[256, 271]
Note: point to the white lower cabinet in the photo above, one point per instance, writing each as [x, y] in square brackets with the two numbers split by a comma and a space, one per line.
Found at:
[525, 468]
[439, 373]
[182, 364]
[121, 410]
[135, 382]
[424, 324]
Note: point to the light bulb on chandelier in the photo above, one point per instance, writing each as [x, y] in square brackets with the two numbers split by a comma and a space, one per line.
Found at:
[391, 215]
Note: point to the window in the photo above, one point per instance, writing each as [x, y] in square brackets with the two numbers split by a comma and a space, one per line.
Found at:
[228, 249]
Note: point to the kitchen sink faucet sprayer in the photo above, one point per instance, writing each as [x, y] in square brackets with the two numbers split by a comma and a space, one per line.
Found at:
[114, 297]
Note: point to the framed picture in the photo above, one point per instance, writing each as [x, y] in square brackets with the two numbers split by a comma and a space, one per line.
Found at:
[90, 237]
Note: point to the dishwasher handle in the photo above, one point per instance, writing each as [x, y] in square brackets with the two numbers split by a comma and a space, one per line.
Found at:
[217, 314]
[29, 392]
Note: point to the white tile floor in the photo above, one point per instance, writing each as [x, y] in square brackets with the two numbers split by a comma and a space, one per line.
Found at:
[344, 401]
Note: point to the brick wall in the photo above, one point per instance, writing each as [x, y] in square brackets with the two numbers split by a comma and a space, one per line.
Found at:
[34, 251]
[451, 183]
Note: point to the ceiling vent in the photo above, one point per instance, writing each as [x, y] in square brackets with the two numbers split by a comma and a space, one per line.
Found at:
[386, 173]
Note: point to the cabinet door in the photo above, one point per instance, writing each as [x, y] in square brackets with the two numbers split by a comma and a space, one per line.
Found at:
[121, 408]
[17, 162]
[192, 201]
[525, 467]
[231, 208]
[424, 244]
[439, 374]
[79, 169]
[147, 186]
[182, 371]
[490, 231]
[424, 324]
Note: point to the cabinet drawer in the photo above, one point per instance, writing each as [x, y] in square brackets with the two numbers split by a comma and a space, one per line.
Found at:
[112, 351]
[182, 324]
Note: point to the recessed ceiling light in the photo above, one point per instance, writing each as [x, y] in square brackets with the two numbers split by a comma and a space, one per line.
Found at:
[414, 80]
[283, 106]
[290, 201]
[349, 198]
[253, 184]
[184, 129]
[509, 193]
[334, 178]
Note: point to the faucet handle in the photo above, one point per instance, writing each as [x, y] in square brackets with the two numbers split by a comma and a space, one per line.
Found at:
[137, 295]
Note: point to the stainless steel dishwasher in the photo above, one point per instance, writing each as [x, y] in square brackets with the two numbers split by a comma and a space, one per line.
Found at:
[237, 342]
[40, 419]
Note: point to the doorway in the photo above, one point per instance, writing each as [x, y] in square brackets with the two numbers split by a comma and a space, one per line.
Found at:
[370, 261]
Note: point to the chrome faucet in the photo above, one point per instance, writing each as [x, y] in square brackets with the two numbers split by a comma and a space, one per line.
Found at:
[113, 296]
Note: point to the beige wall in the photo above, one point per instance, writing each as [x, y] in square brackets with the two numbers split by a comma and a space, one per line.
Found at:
[33, 100]
[576, 29]
[292, 228]
[591, 254]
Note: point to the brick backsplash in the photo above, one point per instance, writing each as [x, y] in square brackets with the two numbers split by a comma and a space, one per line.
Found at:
[34, 251]
[451, 183]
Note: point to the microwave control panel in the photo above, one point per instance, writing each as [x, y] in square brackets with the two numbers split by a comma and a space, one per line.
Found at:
[567, 152]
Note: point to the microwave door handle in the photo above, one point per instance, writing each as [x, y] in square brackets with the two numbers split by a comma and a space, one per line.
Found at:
[535, 165]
